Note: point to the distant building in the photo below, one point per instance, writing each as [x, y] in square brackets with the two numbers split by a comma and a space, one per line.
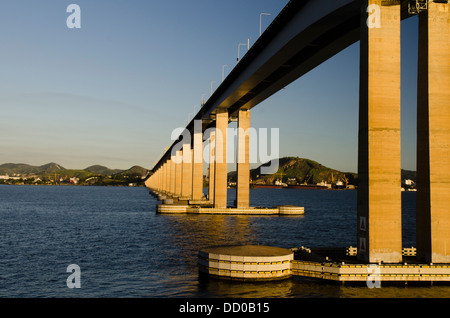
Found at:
[74, 180]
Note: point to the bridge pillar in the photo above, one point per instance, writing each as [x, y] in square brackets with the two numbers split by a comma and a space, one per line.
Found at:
[172, 175]
[163, 176]
[157, 180]
[212, 174]
[433, 135]
[149, 182]
[178, 173]
[220, 180]
[197, 165]
[186, 180]
[243, 162]
[379, 235]
[168, 176]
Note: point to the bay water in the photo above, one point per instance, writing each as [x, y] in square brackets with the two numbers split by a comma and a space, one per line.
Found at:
[124, 249]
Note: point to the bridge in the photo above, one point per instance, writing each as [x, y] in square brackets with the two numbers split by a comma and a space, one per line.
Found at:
[304, 35]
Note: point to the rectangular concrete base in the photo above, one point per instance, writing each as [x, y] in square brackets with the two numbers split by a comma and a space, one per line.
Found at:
[189, 209]
[347, 269]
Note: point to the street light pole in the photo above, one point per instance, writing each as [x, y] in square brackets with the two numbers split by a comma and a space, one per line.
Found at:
[260, 17]
[211, 87]
[223, 68]
[203, 100]
[239, 46]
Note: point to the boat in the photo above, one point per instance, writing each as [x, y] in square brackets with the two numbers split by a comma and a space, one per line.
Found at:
[307, 186]
[276, 185]
[269, 186]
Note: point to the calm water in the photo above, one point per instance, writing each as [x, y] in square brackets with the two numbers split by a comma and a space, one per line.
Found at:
[125, 249]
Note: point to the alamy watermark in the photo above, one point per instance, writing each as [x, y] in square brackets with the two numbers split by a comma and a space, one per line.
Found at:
[374, 18]
[74, 279]
[259, 149]
[73, 21]
[374, 276]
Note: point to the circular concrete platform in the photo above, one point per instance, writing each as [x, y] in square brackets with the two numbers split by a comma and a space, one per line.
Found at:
[246, 262]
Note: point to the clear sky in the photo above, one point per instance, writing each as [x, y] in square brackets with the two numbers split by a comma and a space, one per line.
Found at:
[111, 92]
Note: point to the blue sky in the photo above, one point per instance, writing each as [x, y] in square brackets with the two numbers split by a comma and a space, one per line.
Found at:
[111, 92]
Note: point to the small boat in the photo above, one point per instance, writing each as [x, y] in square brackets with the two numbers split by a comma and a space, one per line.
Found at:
[270, 186]
[307, 186]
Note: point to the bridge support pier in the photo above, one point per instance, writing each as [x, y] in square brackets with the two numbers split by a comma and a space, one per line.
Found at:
[433, 135]
[178, 173]
[379, 233]
[212, 174]
[186, 174]
[168, 175]
[197, 164]
[164, 178]
[220, 180]
[172, 175]
[243, 162]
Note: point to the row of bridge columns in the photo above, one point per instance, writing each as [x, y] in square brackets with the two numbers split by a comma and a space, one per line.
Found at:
[181, 175]
[379, 231]
[379, 214]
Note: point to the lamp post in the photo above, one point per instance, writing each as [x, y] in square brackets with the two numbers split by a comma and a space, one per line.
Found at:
[223, 68]
[203, 100]
[260, 17]
[211, 87]
[239, 46]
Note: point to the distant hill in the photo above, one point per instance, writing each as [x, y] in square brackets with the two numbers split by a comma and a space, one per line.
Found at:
[102, 170]
[408, 174]
[135, 170]
[300, 170]
[21, 168]
[52, 168]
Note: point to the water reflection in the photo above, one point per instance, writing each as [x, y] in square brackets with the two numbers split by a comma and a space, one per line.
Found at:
[329, 221]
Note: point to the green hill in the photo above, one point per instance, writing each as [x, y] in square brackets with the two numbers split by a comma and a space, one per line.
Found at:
[17, 168]
[299, 170]
[23, 169]
[51, 168]
[93, 175]
[98, 169]
[133, 171]
[294, 170]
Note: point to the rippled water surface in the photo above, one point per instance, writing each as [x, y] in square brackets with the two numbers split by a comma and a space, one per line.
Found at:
[125, 249]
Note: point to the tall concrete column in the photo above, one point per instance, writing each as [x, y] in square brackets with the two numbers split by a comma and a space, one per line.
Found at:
[164, 177]
[158, 179]
[186, 181]
[168, 173]
[243, 162]
[148, 183]
[433, 135]
[172, 175]
[178, 173]
[197, 165]
[212, 174]
[220, 180]
[379, 235]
